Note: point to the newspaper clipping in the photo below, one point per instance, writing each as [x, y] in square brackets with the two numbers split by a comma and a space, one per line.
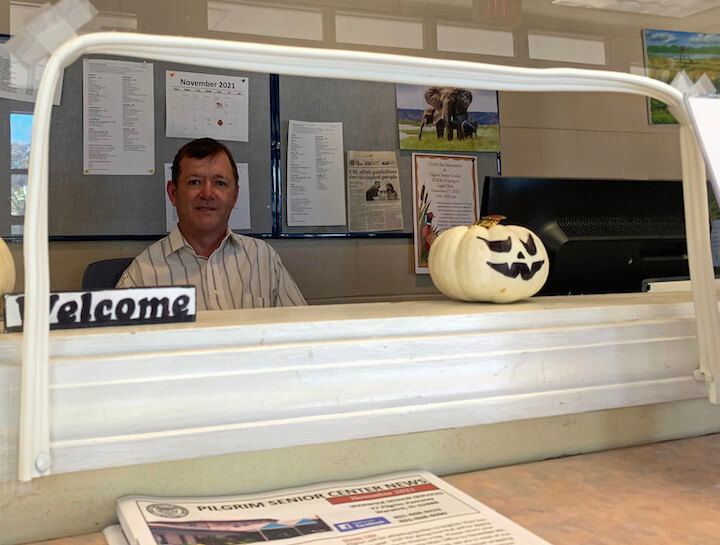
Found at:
[409, 508]
[373, 191]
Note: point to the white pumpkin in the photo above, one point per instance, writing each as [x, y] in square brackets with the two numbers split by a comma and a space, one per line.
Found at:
[487, 261]
[7, 269]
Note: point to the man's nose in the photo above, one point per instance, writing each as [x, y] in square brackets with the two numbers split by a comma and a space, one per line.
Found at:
[206, 190]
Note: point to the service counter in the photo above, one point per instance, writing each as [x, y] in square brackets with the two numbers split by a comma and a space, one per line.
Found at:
[249, 380]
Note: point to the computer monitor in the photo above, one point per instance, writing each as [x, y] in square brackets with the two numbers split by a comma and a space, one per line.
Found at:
[602, 236]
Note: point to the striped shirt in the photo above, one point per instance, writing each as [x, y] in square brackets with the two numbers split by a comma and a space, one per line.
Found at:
[243, 272]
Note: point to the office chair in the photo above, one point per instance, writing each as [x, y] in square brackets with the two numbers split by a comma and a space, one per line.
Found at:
[104, 274]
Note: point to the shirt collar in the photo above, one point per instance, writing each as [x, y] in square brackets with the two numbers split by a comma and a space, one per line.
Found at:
[177, 241]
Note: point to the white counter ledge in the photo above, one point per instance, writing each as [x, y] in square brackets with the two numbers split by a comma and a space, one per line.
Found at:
[247, 380]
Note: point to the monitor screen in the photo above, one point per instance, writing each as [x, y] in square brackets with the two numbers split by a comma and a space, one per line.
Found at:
[602, 236]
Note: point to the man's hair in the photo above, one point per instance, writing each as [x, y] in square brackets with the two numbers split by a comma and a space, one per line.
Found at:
[199, 149]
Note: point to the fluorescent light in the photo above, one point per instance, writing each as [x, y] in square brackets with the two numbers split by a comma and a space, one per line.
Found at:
[668, 8]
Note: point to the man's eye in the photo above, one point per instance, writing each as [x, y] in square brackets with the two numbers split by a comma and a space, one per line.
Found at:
[221, 182]
[193, 182]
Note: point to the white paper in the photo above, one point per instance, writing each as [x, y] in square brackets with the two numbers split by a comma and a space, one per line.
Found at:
[705, 115]
[373, 191]
[240, 215]
[409, 508]
[316, 177]
[18, 82]
[118, 117]
[206, 105]
[444, 195]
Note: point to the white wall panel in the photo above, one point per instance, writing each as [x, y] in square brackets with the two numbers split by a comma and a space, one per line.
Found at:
[265, 21]
[375, 31]
[479, 41]
[566, 49]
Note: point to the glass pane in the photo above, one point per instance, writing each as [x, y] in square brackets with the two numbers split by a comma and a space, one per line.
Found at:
[18, 190]
[20, 132]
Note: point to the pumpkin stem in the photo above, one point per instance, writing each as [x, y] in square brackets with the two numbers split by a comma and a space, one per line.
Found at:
[490, 221]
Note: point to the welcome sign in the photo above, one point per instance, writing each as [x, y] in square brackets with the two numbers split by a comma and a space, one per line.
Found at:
[129, 306]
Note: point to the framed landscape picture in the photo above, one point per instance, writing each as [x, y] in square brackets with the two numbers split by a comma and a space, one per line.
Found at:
[686, 60]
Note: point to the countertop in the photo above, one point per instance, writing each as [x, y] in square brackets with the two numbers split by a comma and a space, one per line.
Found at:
[661, 494]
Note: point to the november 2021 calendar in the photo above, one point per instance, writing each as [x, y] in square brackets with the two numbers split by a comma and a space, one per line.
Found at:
[213, 105]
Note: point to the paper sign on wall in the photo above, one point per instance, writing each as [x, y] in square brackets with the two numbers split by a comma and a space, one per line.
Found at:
[118, 117]
[316, 174]
[19, 82]
[444, 195]
[213, 105]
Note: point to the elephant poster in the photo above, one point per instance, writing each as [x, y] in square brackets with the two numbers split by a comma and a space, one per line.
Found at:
[447, 118]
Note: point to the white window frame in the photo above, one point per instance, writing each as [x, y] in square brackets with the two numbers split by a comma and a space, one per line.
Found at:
[284, 345]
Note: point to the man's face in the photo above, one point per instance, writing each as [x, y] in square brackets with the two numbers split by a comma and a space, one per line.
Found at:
[205, 194]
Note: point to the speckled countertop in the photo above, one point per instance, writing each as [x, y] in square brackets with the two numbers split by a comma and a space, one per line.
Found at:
[659, 494]
[663, 493]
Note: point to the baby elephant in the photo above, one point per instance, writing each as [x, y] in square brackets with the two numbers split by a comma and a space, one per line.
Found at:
[464, 126]
[469, 127]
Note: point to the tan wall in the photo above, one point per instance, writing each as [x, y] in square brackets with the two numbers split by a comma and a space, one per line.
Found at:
[542, 134]
[328, 270]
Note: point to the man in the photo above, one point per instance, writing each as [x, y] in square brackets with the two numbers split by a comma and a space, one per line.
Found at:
[228, 270]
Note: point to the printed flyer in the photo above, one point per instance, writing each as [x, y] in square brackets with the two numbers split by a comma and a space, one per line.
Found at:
[444, 195]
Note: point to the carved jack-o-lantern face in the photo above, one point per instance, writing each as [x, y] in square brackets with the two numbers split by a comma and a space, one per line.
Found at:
[498, 263]
[522, 265]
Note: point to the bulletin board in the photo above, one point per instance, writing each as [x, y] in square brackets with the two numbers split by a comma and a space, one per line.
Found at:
[368, 113]
[133, 206]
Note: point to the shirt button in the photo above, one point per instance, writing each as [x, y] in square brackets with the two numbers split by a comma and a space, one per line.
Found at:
[217, 292]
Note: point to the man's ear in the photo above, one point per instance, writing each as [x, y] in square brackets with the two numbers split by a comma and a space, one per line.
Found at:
[237, 192]
[171, 189]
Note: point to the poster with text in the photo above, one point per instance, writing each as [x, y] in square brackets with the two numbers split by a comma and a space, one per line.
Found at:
[447, 118]
[118, 117]
[240, 215]
[213, 105]
[444, 195]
